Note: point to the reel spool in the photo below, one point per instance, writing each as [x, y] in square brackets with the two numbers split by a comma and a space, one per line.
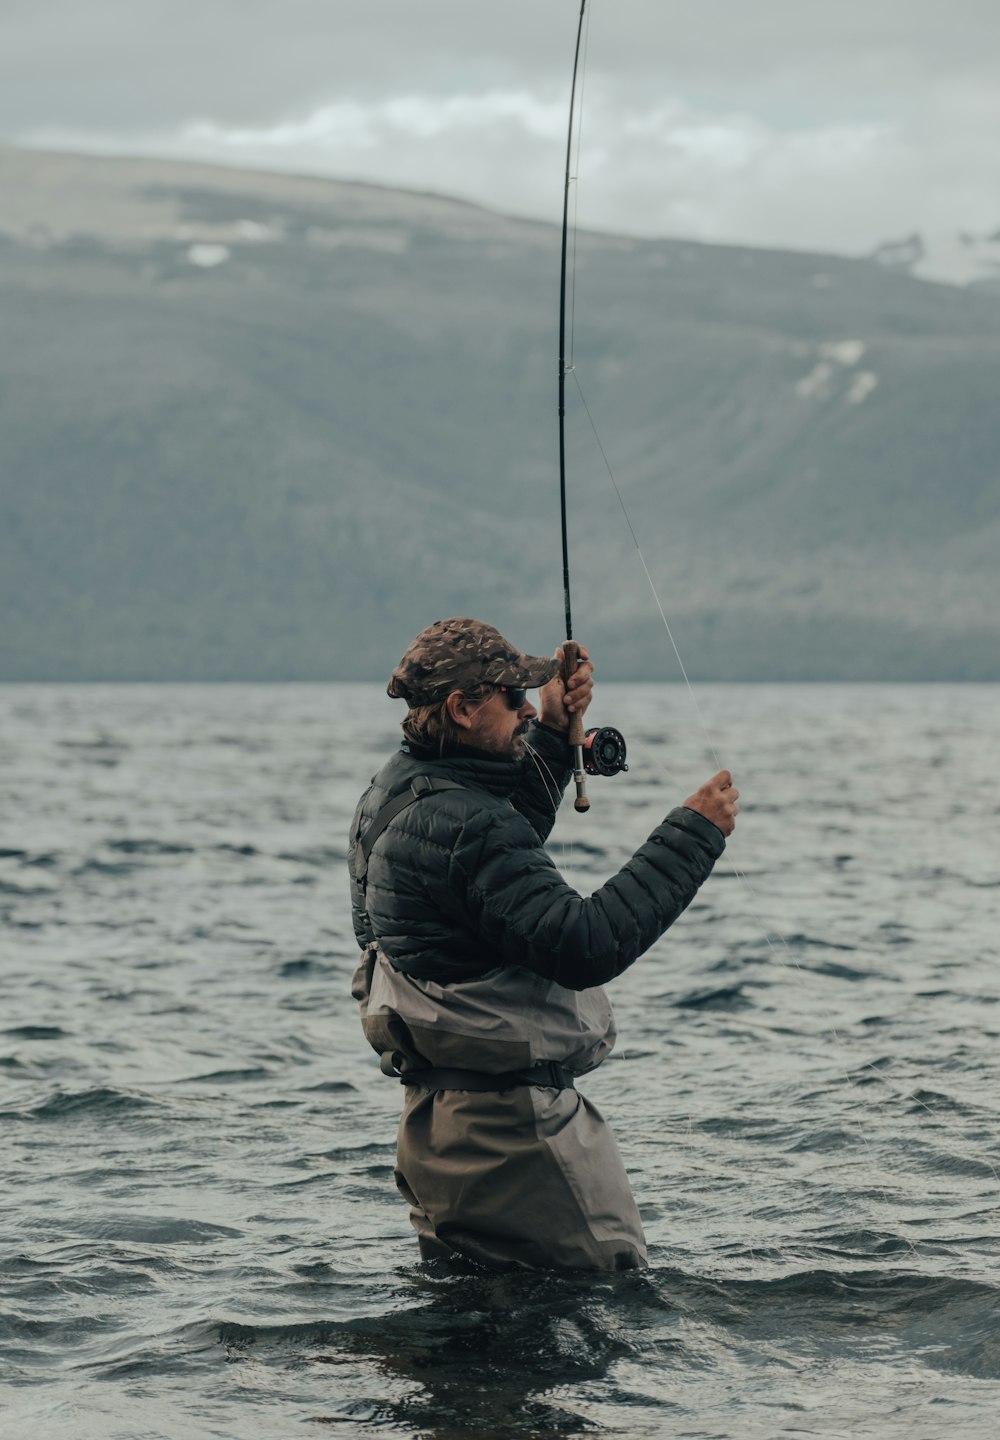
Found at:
[604, 751]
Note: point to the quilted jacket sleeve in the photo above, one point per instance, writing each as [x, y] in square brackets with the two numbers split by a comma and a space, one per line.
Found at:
[359, 918]
[517, 900]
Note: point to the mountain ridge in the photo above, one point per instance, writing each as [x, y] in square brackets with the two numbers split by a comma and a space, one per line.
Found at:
[277, 461]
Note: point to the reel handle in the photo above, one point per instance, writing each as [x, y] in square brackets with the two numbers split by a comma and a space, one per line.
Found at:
[570, 662]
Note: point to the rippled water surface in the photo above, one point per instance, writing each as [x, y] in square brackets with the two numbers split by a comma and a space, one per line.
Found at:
[200, 1233]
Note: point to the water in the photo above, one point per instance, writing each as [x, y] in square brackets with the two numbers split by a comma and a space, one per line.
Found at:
[200, 1233]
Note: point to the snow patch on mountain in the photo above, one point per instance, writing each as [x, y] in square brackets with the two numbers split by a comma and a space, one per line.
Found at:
[958, 258]
[815, 385]
[862, 385]
[845, 352]
[835, 355]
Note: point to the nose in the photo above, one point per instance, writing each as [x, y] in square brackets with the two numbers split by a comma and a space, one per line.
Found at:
[527, 711]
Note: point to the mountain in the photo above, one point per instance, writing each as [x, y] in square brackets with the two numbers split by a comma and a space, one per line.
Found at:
[264, 427]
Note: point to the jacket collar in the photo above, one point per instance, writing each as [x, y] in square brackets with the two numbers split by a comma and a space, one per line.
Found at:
[478, 769]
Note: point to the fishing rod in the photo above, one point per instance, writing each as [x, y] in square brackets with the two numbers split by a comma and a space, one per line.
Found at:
[600, 751]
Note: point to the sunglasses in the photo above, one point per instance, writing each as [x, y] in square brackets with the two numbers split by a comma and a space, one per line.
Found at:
[515, 695]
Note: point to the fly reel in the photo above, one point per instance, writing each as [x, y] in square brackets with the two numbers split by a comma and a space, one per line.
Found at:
[604, 751]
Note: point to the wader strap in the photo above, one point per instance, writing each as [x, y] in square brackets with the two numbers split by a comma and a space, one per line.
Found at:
[547, 1072]
[420, 785]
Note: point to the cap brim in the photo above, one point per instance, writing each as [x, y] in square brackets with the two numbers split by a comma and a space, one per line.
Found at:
[531, 671]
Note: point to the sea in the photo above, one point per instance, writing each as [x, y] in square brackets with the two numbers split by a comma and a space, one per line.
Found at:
[199, 1230]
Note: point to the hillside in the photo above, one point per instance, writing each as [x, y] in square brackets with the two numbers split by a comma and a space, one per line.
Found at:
[264, 427]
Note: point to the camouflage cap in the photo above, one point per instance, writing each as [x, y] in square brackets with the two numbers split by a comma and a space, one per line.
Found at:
[451, 654]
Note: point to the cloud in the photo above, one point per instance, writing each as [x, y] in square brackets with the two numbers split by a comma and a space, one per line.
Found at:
[816, 127]
[350, 124]
[667, 169]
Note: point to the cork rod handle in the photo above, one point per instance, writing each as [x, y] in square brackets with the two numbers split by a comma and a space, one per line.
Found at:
[570, 661]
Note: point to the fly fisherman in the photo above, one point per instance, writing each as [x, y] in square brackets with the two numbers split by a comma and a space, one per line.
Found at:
[481, 968]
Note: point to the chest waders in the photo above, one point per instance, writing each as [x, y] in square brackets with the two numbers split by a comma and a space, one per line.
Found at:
[546, 1072]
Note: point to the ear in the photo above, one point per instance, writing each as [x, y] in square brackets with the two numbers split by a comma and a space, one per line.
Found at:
[460, 710]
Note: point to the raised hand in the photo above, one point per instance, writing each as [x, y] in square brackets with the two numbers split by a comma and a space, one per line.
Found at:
[718, 801]
[558, 701]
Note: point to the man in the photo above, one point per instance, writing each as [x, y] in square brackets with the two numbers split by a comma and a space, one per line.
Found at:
[481, 969]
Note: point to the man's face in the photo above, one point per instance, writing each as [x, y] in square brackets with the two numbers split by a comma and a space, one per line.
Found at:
[499, 729]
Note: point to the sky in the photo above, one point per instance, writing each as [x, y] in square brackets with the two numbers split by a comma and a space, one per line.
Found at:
[789, 123]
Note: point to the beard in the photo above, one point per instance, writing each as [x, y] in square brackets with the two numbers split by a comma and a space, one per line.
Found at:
[510, 746]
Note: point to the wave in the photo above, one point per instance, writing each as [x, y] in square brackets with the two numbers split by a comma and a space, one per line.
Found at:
[104, 1100]
[228, 1077]
[724, 997]
[36, 1032]
[560, 1328]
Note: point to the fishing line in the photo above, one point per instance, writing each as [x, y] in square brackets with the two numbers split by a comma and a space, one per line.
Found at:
[551, 788]
[788, 961]
[713, 750]
[573, 172]
[642, 560]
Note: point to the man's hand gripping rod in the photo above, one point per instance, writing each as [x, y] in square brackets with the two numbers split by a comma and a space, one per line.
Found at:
[570, 663]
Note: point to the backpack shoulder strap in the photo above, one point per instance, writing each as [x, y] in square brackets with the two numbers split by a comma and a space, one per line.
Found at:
[420, 786]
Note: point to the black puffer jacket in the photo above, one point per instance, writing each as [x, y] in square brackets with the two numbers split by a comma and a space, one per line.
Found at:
[459, 883]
